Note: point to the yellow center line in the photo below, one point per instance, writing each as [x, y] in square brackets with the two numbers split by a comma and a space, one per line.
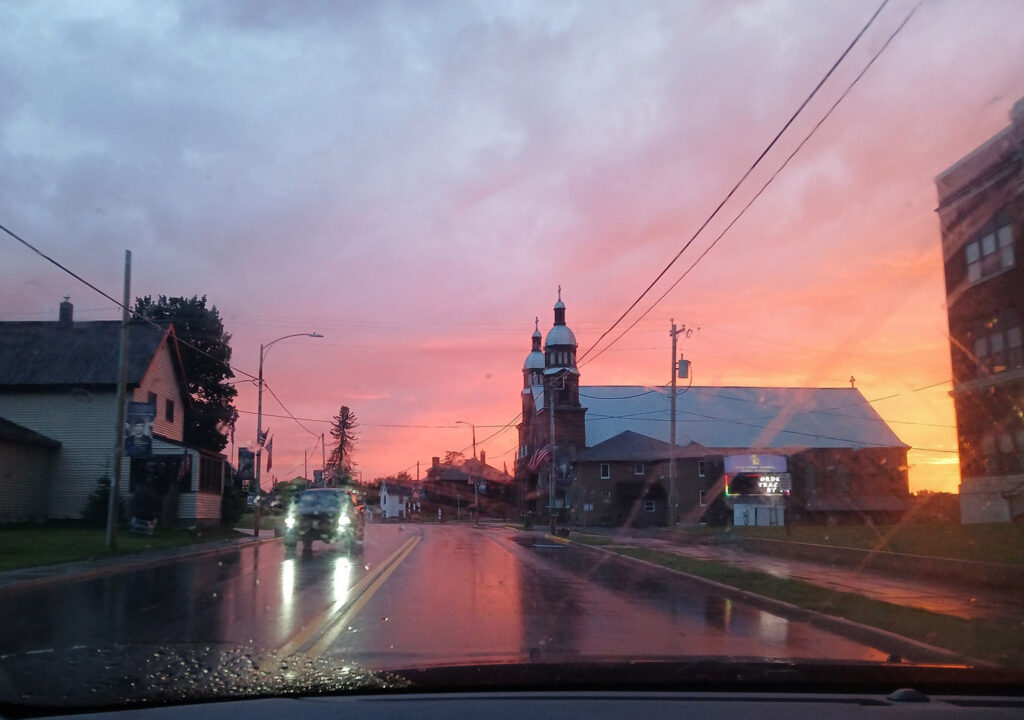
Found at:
[323, 619]
[339, 624]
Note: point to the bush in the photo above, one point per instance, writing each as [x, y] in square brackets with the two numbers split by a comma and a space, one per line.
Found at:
[96, 505]
[232, 505]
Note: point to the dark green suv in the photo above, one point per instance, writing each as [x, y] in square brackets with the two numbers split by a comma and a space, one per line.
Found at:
[332, 515]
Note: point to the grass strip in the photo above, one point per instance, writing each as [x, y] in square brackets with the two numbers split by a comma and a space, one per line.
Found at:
[991, 640]
[23, 547]
[996, 543]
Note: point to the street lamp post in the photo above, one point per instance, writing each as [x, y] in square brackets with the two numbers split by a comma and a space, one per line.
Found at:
[473, 427]
[259, 421]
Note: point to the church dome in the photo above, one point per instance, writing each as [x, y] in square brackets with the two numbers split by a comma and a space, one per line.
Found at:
[560, 335]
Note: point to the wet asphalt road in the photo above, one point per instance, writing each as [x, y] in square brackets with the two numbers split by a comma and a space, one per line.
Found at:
[418, 595]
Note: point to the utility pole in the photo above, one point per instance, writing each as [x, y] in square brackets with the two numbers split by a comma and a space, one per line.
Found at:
[551, 460]
[122, 375]
[672, 501]
[323, 461]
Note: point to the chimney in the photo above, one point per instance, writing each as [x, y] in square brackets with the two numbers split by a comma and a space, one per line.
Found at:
[435, 461]
[483, 457]
[66, 312]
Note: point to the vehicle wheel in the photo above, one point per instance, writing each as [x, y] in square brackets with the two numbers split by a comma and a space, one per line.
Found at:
[307, 546]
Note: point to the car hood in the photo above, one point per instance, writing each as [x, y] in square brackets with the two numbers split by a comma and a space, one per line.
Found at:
[117, 676]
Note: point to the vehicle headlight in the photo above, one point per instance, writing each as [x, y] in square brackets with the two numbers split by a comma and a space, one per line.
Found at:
[344, 520]
[289, 522]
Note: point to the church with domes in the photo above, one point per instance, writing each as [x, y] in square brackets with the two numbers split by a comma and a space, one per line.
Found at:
[553, 429]
[745, 455]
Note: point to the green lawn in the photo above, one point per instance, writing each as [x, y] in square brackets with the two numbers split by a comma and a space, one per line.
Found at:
[998, 543]
[30, 546]
[989, 640]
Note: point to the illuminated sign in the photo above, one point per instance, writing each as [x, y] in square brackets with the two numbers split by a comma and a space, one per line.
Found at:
[755, 463]
[759, 484]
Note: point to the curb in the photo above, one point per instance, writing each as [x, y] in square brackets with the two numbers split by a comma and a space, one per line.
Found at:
[65, 572]
[847, 628]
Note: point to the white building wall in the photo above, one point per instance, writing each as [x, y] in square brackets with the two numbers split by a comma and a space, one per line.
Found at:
[84, 424]
[982, 501]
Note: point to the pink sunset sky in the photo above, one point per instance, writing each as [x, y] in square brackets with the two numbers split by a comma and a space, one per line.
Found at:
[415, 180]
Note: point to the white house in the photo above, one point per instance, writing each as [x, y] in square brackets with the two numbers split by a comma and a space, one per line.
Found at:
[58, 411]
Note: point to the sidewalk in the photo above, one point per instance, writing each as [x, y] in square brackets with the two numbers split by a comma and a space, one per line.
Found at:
[951, 598]
[85, 569]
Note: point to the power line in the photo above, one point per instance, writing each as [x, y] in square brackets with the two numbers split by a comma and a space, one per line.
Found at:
[764, 187]
[366, 424]
[742, 179]
[131, 312]
[289, 412]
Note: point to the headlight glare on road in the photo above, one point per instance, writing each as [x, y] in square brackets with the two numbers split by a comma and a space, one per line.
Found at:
[289, 522]
[344, 520]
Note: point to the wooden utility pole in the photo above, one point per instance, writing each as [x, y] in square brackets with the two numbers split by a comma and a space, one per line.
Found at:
[672, 501]
[122, 375]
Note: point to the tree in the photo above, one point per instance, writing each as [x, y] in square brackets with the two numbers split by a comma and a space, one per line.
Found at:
[343, 430]
[453, 457]
[936, 507]
[211, 415]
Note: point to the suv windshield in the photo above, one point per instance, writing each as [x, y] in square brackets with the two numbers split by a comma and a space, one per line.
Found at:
[343, 343]
[319, 501]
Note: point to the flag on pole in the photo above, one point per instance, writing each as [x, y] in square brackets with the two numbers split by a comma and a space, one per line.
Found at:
[185, 469]
[270, 453]
[261, 437]
[539, 458]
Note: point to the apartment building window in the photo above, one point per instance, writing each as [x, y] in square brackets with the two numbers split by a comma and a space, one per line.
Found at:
[638, 469]
[998, 343]
[700, 470]
[169, 410]
[702, 497]
[991, 253]
[151, 399]
[606, 471]
[606, 497]
[648, 506]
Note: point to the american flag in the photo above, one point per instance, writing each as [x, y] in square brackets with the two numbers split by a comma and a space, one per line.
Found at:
[261, 437]
[184, 466]
[539, 458]
[270, 453]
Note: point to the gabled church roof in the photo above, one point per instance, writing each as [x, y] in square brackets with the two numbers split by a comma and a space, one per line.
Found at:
[738, 417]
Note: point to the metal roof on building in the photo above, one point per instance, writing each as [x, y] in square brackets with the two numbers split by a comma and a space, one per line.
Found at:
[23, 435]
[629, 446]
[738, 417]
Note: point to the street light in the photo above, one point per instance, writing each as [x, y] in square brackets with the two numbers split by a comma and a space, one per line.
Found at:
[473, 427]
[259, 418]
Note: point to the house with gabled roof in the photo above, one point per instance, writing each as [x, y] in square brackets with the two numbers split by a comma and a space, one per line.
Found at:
[58, 400]
[469, 483]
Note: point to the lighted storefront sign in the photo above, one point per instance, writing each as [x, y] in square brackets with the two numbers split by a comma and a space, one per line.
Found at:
[759, 484]
[755, 463]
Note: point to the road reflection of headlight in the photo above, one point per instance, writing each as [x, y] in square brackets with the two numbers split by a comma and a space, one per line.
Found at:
[289, 522]
[341, 579]
[287, 582]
